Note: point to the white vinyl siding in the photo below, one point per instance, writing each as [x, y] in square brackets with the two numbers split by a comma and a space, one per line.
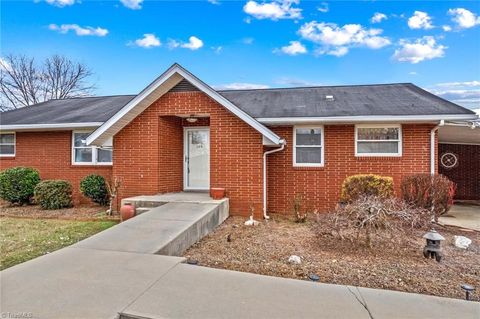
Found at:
[308, 149]
[378, 140]
[90, 155]
[7, 144]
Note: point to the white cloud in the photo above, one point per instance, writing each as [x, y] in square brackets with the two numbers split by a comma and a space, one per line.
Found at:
[412, 73]
[338, 52]
[422, 49]
[295, 82]
[4, 65]
[80, 31]
[337, 40]
[214, 1]
[132, 4]
[420, 20]
[240, 86]
[294, 48]
[459, 84]
[217, 50]
[274, 10]
[447, 28]
[378, 17]
[149, 40]
[193, 43]
[464, 18]
[61, 3]
[248, 41]
[324, 7]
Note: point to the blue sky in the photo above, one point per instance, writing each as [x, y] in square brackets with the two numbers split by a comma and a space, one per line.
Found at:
[274, 43]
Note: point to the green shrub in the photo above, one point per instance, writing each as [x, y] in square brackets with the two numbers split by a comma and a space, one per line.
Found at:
[433, 192]
[94, 187]
[357, 186]
[53, 194]
[17, 184]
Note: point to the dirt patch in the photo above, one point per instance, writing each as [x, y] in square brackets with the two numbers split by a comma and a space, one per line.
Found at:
[81, 212]
[396, 264]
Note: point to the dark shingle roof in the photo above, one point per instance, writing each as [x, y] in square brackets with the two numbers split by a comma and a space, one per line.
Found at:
[353, 100]
[74, 110]
[356, 100]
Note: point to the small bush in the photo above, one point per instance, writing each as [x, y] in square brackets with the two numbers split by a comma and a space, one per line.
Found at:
[299, 211]
[369, 216]
[432, 192]
[18, 183]
[94, 187]
[53, 194]
[357, 186]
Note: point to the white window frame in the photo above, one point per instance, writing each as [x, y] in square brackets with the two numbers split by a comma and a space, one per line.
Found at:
[399, 140]
[322, 163]
[94, 152]
[14, 144]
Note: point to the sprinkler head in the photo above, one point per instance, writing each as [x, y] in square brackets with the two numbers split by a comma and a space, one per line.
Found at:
[313, 277]
[192, 262]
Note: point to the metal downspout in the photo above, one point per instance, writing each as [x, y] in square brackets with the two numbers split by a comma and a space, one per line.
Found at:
[432, 146]
[265, 176]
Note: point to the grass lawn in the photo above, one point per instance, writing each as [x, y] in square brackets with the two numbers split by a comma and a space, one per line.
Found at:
[398, 265]
[22, 239]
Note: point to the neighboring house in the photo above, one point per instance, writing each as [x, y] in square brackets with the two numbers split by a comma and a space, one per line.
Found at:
[263, 146]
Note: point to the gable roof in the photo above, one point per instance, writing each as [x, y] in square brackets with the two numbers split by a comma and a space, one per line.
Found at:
[155, 90]
[67, 113]
[400, 99]
[351, 104]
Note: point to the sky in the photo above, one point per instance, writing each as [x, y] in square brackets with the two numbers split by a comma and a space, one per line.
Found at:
[257, 44]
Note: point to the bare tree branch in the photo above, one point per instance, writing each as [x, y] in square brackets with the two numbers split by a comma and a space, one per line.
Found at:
[23, 83]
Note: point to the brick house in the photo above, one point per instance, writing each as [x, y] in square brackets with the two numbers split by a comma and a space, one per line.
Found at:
[262, 146]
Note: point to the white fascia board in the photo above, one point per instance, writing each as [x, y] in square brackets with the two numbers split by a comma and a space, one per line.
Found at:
[46, 127]
[106, 130]
[366, 119]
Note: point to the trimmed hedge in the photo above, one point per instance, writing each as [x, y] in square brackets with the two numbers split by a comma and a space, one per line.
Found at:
[433, 192]
[17, 184]
[357, 186]
[94, 187]
[53, 194]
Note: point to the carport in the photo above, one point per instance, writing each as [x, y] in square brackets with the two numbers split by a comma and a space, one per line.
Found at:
[459, 157]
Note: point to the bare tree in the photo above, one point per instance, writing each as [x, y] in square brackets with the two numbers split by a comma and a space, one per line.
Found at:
[23, 82]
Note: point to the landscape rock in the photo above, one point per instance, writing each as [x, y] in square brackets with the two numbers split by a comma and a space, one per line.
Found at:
[461, 241]
[294, 259]
[251, 222]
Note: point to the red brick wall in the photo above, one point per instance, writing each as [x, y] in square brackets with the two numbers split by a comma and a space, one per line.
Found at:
[321, 186]
[466, 174]
[148, 154]
[50, 153]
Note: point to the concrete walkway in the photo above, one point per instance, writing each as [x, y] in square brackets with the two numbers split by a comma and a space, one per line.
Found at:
[463, 216]
[117, 272]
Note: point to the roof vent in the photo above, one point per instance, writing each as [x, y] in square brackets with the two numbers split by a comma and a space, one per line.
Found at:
[329, 98]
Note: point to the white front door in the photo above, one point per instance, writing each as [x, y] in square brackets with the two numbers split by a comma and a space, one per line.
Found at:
[196, 159]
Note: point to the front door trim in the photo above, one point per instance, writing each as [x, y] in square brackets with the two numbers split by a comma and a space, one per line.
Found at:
[185, 154]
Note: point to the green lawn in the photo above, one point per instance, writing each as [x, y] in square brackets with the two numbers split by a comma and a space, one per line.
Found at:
[23, 239]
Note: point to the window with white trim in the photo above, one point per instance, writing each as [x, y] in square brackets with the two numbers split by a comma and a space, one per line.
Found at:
[308, 147]
[378, 140]
[7, 144]
[90, 155]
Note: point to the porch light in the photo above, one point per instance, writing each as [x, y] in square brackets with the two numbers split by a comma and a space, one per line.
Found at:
[192, 119]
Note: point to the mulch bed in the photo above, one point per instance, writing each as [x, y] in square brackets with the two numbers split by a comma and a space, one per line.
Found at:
[80, 212]
[396, 264]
